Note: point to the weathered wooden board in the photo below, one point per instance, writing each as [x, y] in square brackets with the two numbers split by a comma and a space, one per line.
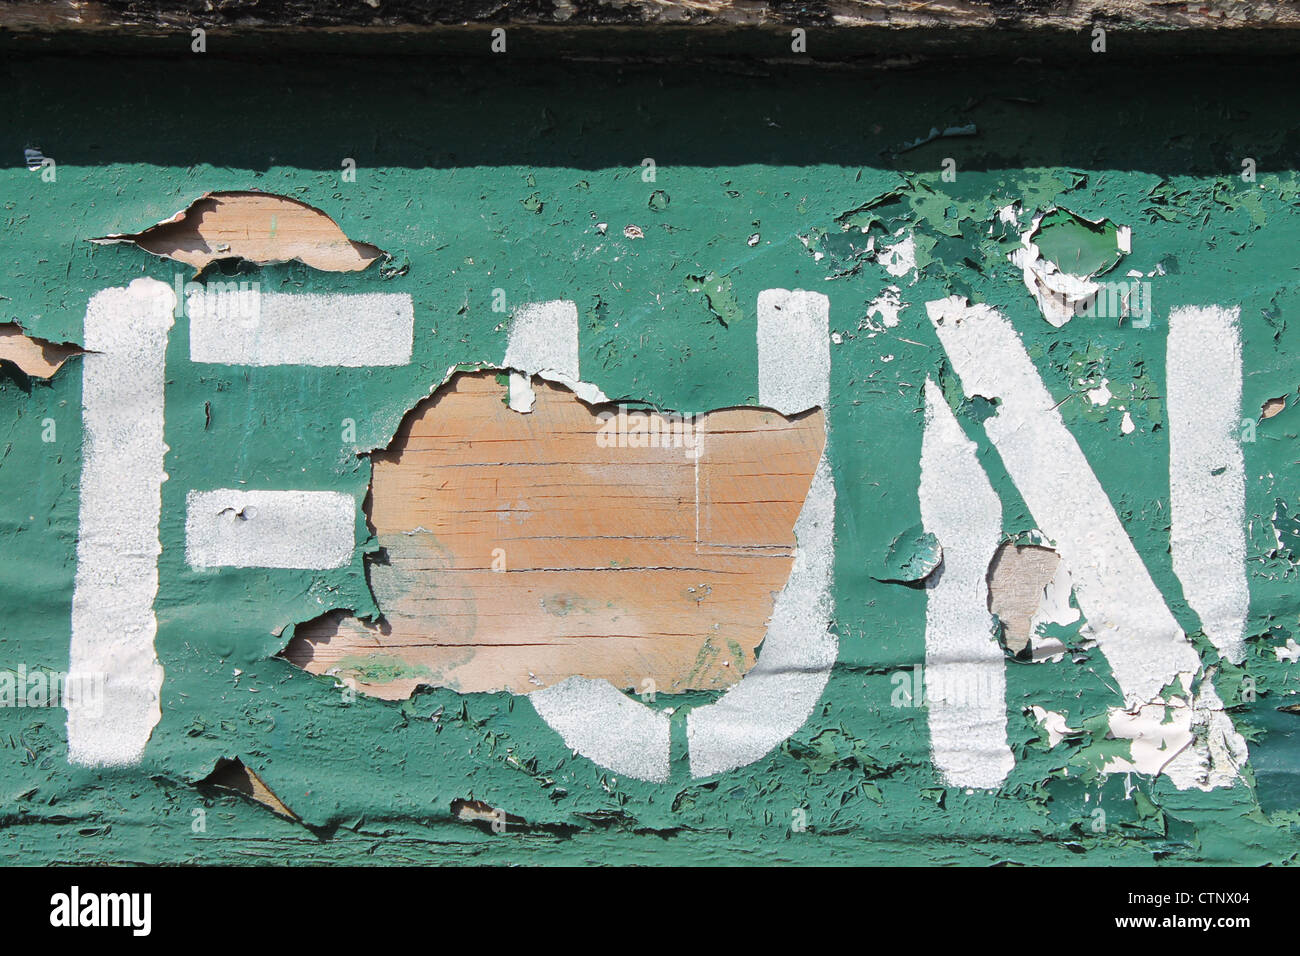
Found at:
[1013, 312]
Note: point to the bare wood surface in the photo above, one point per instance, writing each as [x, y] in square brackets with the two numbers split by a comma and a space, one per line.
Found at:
[258, 227]
[36, 357]
[517, 551]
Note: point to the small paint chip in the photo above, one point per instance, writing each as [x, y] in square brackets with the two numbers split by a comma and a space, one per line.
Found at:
[883, 310]
[232, 775]
[1055, 724]
[1101, 394]
[900, 258]
[1274, 406]
[1289, 652]
[1029, 588]
[912, 556]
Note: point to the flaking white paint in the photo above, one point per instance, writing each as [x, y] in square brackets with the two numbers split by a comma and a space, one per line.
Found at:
[1126, 613]
[229, 527]
[964, 664]
[1207, 471]
[116, 583]
[272, 328]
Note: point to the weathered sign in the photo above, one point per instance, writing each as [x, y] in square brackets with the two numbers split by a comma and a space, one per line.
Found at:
[576, 462]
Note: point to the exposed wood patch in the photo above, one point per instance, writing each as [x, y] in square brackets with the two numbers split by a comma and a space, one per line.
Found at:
[475, 811]
[497, 821]
[1017, 578]
[256, 227]
[36, 357]
[520, 550]
[233, 775]
[1274, 406]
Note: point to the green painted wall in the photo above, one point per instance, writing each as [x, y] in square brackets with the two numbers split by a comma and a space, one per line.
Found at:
[491, 174]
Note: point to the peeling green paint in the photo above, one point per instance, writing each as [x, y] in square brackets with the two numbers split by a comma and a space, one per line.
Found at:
[912, 555]
[1076, 245]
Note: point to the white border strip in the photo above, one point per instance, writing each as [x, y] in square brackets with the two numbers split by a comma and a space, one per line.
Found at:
[113, 622]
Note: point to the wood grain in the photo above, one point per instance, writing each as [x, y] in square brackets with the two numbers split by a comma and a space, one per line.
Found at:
[256, 227]
[36, 357]
[623, 563]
